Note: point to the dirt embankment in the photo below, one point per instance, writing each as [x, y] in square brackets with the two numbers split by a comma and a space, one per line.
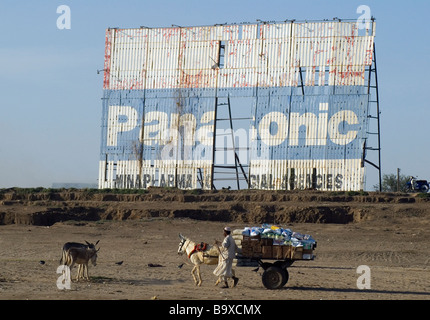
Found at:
[47, 207]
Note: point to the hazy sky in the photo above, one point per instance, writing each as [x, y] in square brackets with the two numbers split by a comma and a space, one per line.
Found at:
[51, 93]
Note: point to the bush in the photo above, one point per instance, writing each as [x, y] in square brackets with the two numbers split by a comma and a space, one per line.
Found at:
[389, 183]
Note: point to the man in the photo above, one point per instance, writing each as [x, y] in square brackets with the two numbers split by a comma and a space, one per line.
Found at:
[413, 181]
[227, 252]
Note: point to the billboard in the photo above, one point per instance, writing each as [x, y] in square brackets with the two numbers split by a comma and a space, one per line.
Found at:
[307, 88]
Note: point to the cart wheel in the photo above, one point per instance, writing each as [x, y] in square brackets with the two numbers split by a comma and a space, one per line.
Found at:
[274, 278]
[287, 276]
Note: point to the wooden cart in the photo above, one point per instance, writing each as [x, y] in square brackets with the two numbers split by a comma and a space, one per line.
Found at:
[274, 259]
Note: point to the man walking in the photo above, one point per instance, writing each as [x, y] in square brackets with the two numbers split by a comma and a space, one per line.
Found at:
[227, 252]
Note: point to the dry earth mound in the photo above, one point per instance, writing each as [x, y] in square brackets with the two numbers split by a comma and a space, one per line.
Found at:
[48, 206]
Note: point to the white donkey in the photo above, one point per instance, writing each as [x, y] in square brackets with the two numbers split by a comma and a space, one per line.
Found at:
[198, 254]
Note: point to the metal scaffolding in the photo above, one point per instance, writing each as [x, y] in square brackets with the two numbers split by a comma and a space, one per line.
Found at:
[374, 115]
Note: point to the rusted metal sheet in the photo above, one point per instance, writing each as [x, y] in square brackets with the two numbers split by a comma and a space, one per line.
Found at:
[255, 55]
[309, 110]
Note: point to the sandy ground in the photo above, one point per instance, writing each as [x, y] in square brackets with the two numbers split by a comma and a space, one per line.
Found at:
[395, 250]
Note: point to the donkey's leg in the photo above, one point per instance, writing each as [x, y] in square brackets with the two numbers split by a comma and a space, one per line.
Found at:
[82, 272]
[194, 276]
[85, 266]
[199, 275]
[77, 275]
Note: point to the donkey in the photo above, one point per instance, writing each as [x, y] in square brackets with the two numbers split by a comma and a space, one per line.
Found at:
[67, 246]
[197, 255]
[80, 255]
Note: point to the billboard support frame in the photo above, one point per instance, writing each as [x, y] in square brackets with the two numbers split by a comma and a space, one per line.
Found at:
[237, 163]
[373, 69]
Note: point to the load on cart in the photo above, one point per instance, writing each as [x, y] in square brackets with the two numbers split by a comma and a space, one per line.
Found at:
[270, 242]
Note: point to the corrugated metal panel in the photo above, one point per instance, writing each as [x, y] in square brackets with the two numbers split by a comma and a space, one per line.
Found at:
[337, 46]
[126, 59]
[271, 52]
[176, 134]
[329, 175]
[161, 86]
[314, 133]
[163, 58]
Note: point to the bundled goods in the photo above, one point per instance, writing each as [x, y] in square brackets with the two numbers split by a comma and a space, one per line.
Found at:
[243, 258]
[272, 242]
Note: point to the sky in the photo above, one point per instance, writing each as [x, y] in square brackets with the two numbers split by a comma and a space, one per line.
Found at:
[51, 108]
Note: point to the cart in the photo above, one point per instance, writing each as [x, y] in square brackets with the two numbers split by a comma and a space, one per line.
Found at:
[273, 259]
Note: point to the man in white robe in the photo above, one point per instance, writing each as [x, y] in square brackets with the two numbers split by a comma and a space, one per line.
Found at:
[227, 253]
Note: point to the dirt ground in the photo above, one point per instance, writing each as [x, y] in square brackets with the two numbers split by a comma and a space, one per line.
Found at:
[392, 241]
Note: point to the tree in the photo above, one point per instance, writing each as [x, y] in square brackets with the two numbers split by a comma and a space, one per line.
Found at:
[389, 183]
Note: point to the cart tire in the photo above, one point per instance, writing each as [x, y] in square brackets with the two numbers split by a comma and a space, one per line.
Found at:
[274, 278]
[287, 276]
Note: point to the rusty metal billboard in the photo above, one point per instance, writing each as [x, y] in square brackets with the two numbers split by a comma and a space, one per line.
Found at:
[308, 87]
